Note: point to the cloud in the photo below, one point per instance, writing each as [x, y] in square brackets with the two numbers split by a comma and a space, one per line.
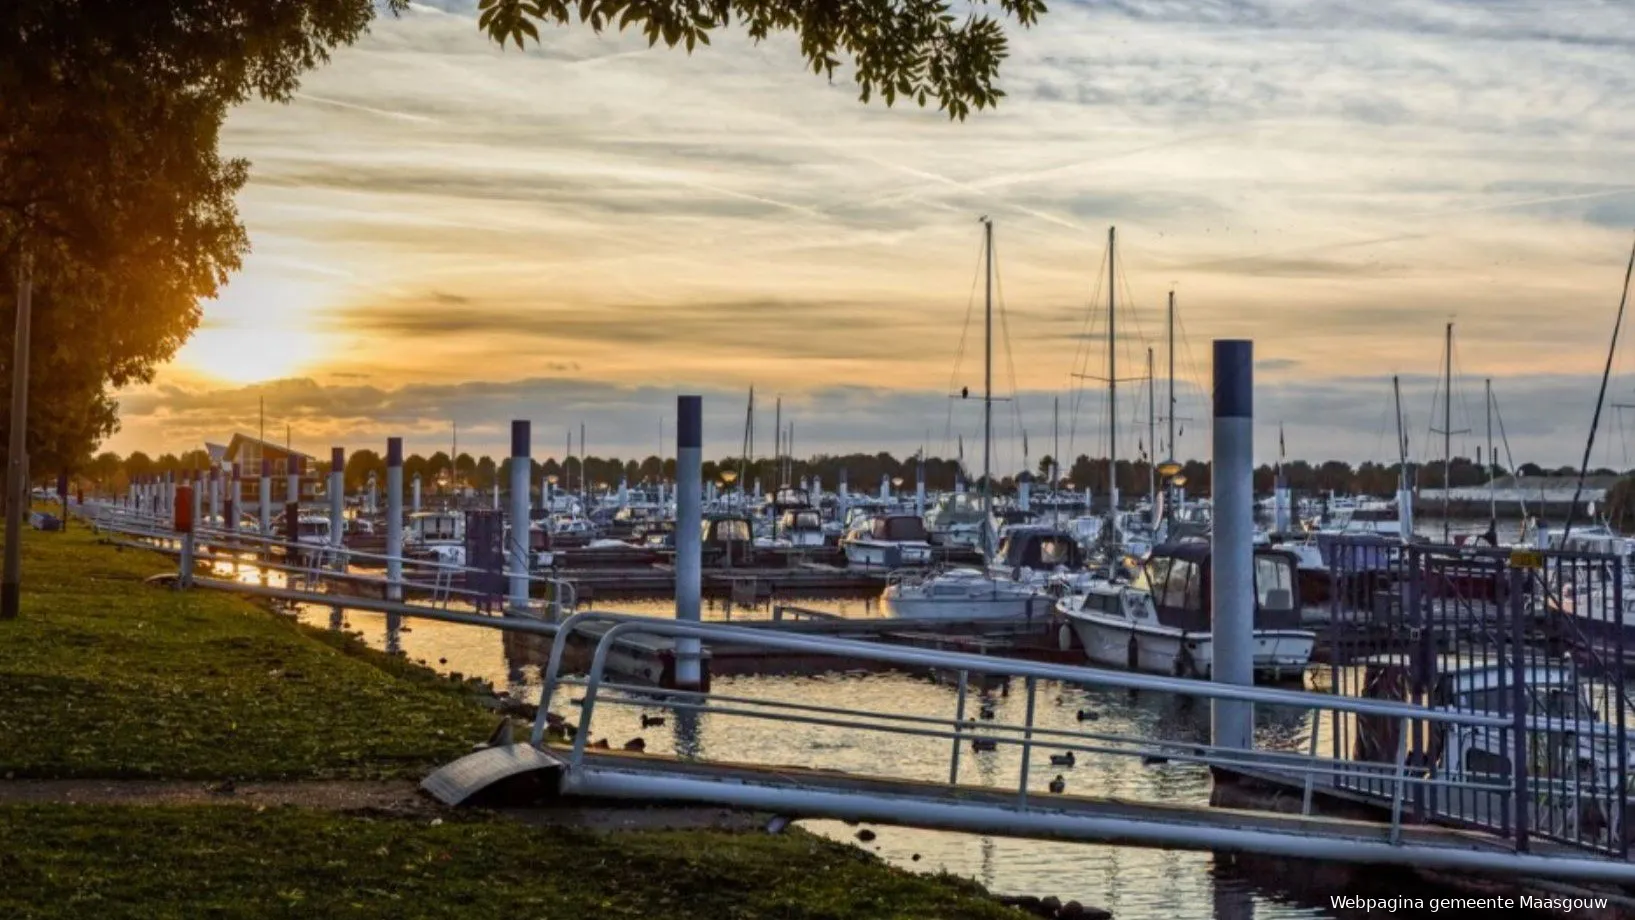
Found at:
[1333, 181]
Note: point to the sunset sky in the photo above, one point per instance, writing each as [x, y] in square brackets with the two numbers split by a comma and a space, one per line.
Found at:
[447, 231]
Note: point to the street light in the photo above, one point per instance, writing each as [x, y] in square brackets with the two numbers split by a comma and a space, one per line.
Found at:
[1178, 480]
[897, 481]
[552, 479]
[1168, 468]
[729, 476]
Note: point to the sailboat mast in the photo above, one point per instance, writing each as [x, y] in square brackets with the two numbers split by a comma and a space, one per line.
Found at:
[1055, 458]
[1169, 322]
[1492, 497]
[1447, 435]
[987, 377]
[1152, 446]
[777, 438]
[1112, 387]
[584, 480]
[1404, 490]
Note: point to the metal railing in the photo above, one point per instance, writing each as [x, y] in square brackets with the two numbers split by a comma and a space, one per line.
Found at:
[1024, 807]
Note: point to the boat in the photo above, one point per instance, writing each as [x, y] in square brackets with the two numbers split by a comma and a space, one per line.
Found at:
[1576, 771]
[957, 519]
[1161, 621]
[1035, 566]
[801, 527]
[888, 541]
[437, 535]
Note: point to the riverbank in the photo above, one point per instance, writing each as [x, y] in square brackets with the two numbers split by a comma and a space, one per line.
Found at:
[139, 702]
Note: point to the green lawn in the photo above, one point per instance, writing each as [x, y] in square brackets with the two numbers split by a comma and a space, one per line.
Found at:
[232, 861]
[104, 676]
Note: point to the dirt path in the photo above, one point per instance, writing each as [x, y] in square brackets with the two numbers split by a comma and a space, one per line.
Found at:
[398, 797]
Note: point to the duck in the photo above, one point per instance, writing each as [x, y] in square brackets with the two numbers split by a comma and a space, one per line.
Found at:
[1062, 760]
[984, 744]
[1086, 715]
[636, 745]
[652, 721]
[1058, 785]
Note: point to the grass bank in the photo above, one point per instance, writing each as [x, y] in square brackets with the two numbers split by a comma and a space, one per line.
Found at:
[232, 861]
[106, 677]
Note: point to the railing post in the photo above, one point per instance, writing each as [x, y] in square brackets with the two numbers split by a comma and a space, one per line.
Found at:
[1027, 741]
[1311, 755]
[337, 520]
[1518, 710]
[959, 727]
[1398, 784]
[1619, 795]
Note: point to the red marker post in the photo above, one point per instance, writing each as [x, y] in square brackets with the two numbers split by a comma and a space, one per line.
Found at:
[181, 516]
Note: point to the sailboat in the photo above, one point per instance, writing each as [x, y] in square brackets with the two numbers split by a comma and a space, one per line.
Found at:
[1025, 572]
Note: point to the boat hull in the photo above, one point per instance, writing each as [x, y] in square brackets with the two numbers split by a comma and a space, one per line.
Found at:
[867, 554]
[967, 608]
[1278, 653]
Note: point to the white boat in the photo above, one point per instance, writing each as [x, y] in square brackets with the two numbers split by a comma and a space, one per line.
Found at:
[1035, 566]
[888, 541]
[957, 519]
[1161, 623]
[440, 535]
[801, 527]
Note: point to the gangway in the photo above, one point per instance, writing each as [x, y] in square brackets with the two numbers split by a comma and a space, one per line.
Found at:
[1024, 809]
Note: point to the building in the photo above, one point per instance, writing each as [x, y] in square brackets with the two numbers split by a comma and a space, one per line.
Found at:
[248, 453]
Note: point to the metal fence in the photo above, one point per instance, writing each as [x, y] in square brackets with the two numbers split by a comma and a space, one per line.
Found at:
[1536, 637]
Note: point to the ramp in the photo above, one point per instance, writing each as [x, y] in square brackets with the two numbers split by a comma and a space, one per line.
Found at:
[508, 773]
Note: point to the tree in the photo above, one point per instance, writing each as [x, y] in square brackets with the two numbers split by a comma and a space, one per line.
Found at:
[917, 49]
[112, 187]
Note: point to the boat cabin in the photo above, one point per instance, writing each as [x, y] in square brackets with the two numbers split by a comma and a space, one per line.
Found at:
[895, 528]
[1179, 576]
[729, 539]
[790, 498]
[1040, 549]
[437, 527]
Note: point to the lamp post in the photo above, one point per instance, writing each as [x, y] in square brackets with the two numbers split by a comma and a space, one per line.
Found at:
[728, 477]
[1168, 471]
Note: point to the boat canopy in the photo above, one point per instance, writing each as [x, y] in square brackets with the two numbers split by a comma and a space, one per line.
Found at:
[897, 528]
[1179, 576]
[1040, 548]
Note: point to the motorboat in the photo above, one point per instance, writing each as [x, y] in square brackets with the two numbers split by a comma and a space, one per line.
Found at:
[887, 541]
[800, 527]
[1161, 621]
[1035, 565]
[957, 519]
[437, 535]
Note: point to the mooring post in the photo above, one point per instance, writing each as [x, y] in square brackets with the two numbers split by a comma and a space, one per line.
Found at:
[235, 499]
[885, 486]
[1024, 494]
[414, 495]
[521, 464]
[264, 501]
[1280, 503]
[337, 522]
[1232, 551]
[215, 495]
[689, 535]
[371, 502]
[182, 523]
[919, 486]
[170, 495]
[394, 540]
[196, 497]
[841, 496]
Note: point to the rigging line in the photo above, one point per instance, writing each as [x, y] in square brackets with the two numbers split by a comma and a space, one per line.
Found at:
[1510, 459]
[1194, 379]
[1595, 422]
[1010, 360]
[1133, 354]
[1464, 402]
[1081, 357]
[959, 353]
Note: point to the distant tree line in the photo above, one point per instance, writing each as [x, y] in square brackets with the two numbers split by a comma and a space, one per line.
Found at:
[863, 472]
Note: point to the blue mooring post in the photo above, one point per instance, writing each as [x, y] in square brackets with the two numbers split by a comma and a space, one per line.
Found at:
[215, 494]
[394, 541]
[264, 500]
[337, 522]
[1232, 548]
[689, 535]
[521, 466]
[235, 500]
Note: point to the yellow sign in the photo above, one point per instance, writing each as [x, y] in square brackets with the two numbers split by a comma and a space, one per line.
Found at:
[1526, 559]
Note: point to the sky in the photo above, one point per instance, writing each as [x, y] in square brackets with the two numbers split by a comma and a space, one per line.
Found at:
[446, 232]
